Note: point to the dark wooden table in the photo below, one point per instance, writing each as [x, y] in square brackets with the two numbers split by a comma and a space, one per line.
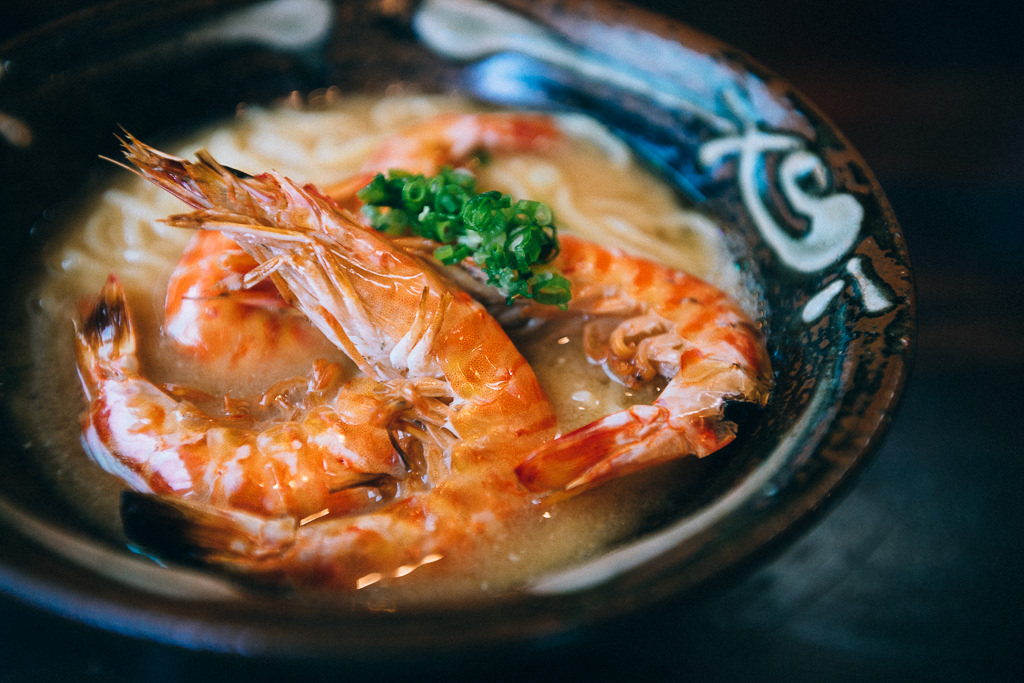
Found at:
[916, 573]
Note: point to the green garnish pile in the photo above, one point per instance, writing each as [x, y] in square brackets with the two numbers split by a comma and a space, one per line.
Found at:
[510, 240]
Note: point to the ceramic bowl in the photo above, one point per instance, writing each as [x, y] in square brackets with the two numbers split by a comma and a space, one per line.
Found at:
[805, 219]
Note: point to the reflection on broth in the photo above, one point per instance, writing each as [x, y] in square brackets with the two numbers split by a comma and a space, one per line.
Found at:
[592, 184]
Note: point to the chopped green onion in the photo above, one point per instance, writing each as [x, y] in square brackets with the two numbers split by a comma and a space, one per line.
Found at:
[414, 192]
[508, 239]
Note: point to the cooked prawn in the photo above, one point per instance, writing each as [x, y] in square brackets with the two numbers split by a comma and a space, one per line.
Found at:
[477, 402]
[220, 323]
[647, 322]
[325, 444]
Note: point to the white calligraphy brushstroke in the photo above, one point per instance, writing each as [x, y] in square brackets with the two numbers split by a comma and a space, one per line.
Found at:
[874, 299]
[284, 24]
[834, 220]
[816, 305]
[470, 29]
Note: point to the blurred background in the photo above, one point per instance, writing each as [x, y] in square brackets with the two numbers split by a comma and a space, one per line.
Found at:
[916, 573]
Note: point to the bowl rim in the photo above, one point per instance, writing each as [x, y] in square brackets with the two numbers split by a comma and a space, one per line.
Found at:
[44, 579]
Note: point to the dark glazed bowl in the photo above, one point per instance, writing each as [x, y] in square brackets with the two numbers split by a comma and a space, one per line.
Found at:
[804, 217]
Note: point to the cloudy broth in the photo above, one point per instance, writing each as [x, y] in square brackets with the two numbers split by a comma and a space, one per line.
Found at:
[593, 185]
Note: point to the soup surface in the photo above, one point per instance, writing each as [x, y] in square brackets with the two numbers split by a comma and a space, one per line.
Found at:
[591, 182]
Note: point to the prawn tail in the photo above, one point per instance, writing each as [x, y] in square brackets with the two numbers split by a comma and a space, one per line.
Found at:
[621, 443]
[105, 344]
[188, 532]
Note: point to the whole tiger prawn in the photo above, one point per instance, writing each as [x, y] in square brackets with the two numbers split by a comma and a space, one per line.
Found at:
[305, 446]
[644, 321]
